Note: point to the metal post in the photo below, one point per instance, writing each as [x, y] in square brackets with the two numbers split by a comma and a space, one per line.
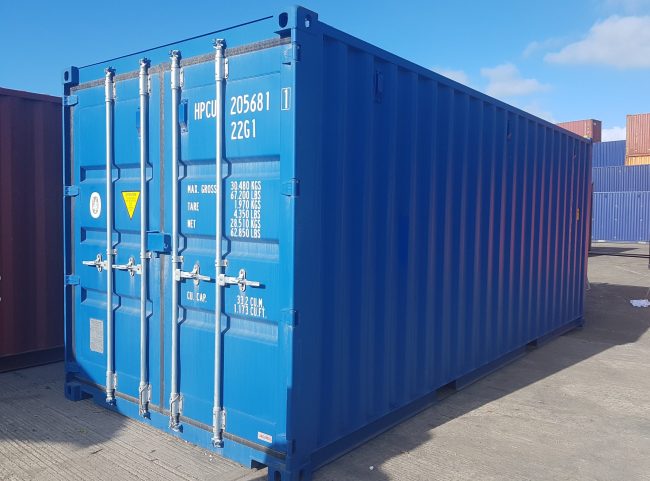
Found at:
[218, 414]
[144, 256]
[110, 342]
[174, 398]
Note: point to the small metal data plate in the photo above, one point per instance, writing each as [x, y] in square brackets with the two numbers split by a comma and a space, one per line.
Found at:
[97, 335]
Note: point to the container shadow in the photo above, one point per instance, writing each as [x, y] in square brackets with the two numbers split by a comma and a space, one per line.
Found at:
[610, 321]
[33, 409]
[610, 249]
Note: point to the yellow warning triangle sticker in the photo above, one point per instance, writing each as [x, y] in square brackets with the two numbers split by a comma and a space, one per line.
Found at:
[131, 200]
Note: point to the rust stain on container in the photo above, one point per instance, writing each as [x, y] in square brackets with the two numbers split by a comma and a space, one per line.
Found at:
[31, 268]
[638, 135]
[589, 128]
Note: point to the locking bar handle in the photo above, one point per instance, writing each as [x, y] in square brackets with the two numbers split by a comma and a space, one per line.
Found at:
[98, 262]
[193, 274]
[240, 280]
[131, 266]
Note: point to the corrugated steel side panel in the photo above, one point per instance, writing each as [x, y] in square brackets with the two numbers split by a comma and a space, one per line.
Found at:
[637, 160]
[31, 268]
[621, 179]
[438, 232]
[589, 128]
[607, 154]
[621, 217]
[638, 134]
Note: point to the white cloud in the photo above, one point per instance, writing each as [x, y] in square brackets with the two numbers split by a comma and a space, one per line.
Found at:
[543, 45]
[622, 42]
[457, 75]
[614, 133]
[505, 80]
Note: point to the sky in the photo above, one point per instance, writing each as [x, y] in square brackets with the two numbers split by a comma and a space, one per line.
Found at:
[558, 59]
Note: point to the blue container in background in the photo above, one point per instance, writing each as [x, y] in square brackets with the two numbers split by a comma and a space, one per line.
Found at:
[621, 179]
[607, 154]
[380, 233]
[621, 217]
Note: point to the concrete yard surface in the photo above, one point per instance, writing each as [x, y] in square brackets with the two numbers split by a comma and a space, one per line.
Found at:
[43, 436]
[576, 408]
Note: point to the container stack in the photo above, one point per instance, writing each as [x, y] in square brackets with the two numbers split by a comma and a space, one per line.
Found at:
[621, 201]
[638, 139]
[589, 128]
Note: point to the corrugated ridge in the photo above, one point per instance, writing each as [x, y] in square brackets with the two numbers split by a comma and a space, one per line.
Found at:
[609, 153]
[621, 179]
[491, 202]
[621, 217]
[30, 222]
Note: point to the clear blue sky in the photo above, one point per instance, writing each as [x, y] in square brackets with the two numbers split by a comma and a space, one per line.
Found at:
[559, 59]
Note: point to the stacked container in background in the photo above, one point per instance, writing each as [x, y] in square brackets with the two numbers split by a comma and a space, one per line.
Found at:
[621, 202]
[589, 128]
[607, 154]
[638, 139]
[31, 268]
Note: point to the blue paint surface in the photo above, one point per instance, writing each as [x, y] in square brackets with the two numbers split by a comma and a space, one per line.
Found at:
[410, 233]
[609, 153]
[621, 217]
[621, 179]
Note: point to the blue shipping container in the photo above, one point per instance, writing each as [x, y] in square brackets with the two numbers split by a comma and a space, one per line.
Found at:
[383, 231]
[609, 153]
[621, 179]
[621, 217]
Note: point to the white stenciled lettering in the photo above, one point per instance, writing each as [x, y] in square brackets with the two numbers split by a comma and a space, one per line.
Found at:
[191, 223]
[250, 306]
[193, 206]
[196, 296]
[208, 189]
[192, 189]
[246, 218]
[209, 108]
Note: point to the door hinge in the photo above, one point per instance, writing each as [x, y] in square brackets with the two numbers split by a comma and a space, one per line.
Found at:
[71, 280]
[71, 190]
[292, 54]
[291, 188]
[70, 100]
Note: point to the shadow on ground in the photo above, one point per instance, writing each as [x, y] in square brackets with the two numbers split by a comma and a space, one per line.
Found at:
[610, 321]
[612, 249]
[33, 408]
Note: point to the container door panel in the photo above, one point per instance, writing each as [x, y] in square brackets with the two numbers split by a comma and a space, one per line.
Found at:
[89, 220]
[126, 175]
[256, 234]
[90, 232]
[258, 227]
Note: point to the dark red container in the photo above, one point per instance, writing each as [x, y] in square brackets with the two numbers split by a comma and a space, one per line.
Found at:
[638, 135]
[31, 268]
[589, 128]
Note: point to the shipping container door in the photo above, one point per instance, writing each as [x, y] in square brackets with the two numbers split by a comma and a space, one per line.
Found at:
[90, 215]
[257, 243]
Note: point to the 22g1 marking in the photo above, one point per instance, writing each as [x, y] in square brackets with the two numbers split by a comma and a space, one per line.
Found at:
[244, 104]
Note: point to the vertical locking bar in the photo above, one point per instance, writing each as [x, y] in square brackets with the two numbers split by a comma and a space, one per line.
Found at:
[174, 397]
[110, 341]
[217, 410]
[144, 161]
